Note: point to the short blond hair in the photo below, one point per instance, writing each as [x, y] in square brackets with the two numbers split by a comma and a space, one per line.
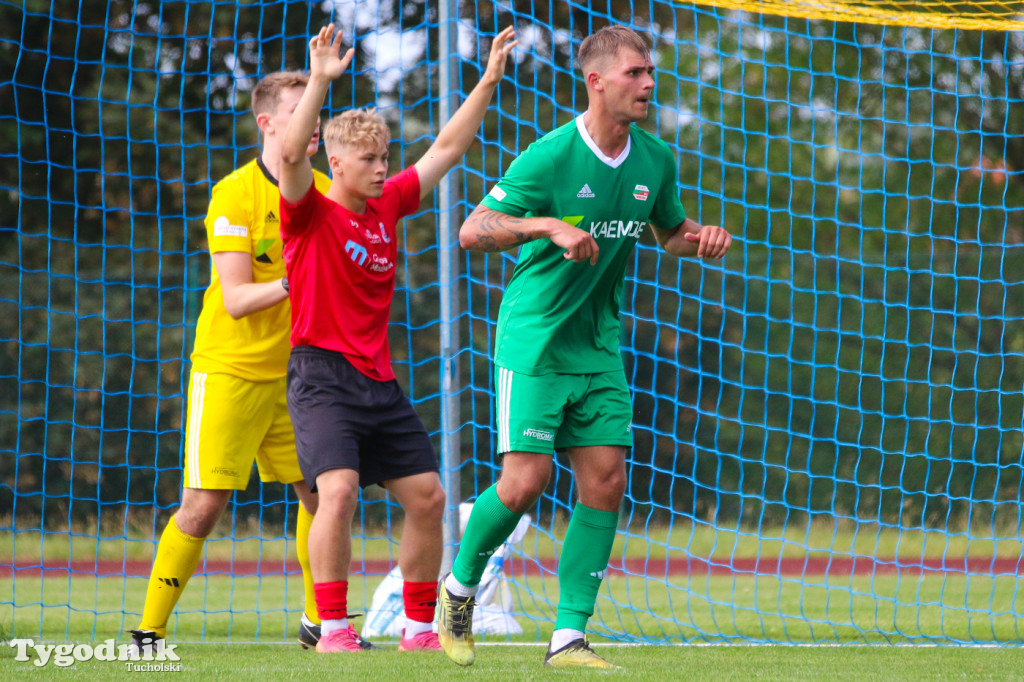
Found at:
[359, 128]
[606, 43]
[266, 96]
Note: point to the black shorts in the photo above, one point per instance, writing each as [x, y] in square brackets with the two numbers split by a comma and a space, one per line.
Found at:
[343, 419]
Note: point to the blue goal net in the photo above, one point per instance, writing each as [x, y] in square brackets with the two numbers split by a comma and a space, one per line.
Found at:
[827, 423]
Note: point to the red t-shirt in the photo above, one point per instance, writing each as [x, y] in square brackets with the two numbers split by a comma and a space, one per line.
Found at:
[341, 271]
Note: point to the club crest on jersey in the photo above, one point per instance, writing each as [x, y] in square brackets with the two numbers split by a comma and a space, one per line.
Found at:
[640, 192]
[384, 233]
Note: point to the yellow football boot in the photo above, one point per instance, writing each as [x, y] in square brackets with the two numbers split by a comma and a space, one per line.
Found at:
[455, 625]
[575, 654]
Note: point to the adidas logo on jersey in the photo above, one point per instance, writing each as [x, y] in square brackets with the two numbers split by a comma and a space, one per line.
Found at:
[272, 218]
[585, 192]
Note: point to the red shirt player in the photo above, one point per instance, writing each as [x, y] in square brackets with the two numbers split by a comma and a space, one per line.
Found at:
[353, 424]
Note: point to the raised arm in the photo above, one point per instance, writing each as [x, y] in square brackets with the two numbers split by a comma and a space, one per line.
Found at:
[690, 238]
[454, 139]
[490, 230]
[325, 65]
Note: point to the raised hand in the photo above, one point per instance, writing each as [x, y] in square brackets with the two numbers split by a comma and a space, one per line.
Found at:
[500, 48]
[325, 58]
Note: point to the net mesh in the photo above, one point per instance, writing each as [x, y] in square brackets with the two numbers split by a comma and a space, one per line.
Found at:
[827, 424]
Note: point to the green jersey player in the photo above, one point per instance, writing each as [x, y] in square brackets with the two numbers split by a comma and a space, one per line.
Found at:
[576, 200]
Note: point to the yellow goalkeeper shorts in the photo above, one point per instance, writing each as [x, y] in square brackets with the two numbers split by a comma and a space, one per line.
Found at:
[231, 422]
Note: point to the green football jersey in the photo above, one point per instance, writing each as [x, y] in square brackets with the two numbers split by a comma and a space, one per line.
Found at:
[557, 315]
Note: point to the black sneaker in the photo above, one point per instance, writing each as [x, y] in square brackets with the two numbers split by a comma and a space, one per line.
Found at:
[143, 642]
[363, 644]
[309, 633]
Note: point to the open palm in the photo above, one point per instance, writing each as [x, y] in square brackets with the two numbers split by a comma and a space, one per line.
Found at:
[500, 48]
[325, 56]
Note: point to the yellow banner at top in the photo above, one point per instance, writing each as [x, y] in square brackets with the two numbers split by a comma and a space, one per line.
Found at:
[986, 15]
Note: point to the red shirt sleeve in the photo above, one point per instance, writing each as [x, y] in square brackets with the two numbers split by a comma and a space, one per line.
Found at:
[403, 192]
[297, 218]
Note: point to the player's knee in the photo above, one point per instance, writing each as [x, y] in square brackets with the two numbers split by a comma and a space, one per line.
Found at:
[611, 488]
[341, 506]
[338, 499]
[520, 495]
[197, 522]
[523, 480]
[604, 492]
[428, 505]
[307, 498]
[436, 502]
[616, 484]
[200, 510]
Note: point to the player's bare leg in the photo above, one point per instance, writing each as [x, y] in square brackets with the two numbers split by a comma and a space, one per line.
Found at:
[419, 556]
[330, 553]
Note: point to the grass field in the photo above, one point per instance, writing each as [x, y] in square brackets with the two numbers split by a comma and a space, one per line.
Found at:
[250, 540]
[866, 626]
[271, 662]
[940, 609]
[250, 622]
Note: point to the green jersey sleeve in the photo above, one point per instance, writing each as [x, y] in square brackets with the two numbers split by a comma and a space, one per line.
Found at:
[668, 210]
[526, 186]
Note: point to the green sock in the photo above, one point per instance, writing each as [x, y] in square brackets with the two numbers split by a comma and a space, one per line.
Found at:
[489, 525]
[582, 565]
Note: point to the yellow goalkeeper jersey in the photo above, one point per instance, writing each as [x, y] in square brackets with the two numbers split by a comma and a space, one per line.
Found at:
[244, 216]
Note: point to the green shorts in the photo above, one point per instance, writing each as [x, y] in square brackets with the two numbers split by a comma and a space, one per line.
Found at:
[556, 411]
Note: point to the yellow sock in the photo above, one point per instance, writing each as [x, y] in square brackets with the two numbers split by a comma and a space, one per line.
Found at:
[177, 556]
[302, 524]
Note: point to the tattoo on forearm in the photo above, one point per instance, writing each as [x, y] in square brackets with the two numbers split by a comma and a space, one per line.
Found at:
[499, 231]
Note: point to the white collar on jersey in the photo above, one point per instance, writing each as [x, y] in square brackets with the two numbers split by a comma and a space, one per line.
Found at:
[614, 163]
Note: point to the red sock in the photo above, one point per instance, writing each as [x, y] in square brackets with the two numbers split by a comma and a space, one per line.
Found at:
[331, 600]
[419, 600]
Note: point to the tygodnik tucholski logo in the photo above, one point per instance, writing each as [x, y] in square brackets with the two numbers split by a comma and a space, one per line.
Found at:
[161, 658]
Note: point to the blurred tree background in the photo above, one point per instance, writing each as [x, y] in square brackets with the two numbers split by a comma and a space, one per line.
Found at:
[857, 355]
